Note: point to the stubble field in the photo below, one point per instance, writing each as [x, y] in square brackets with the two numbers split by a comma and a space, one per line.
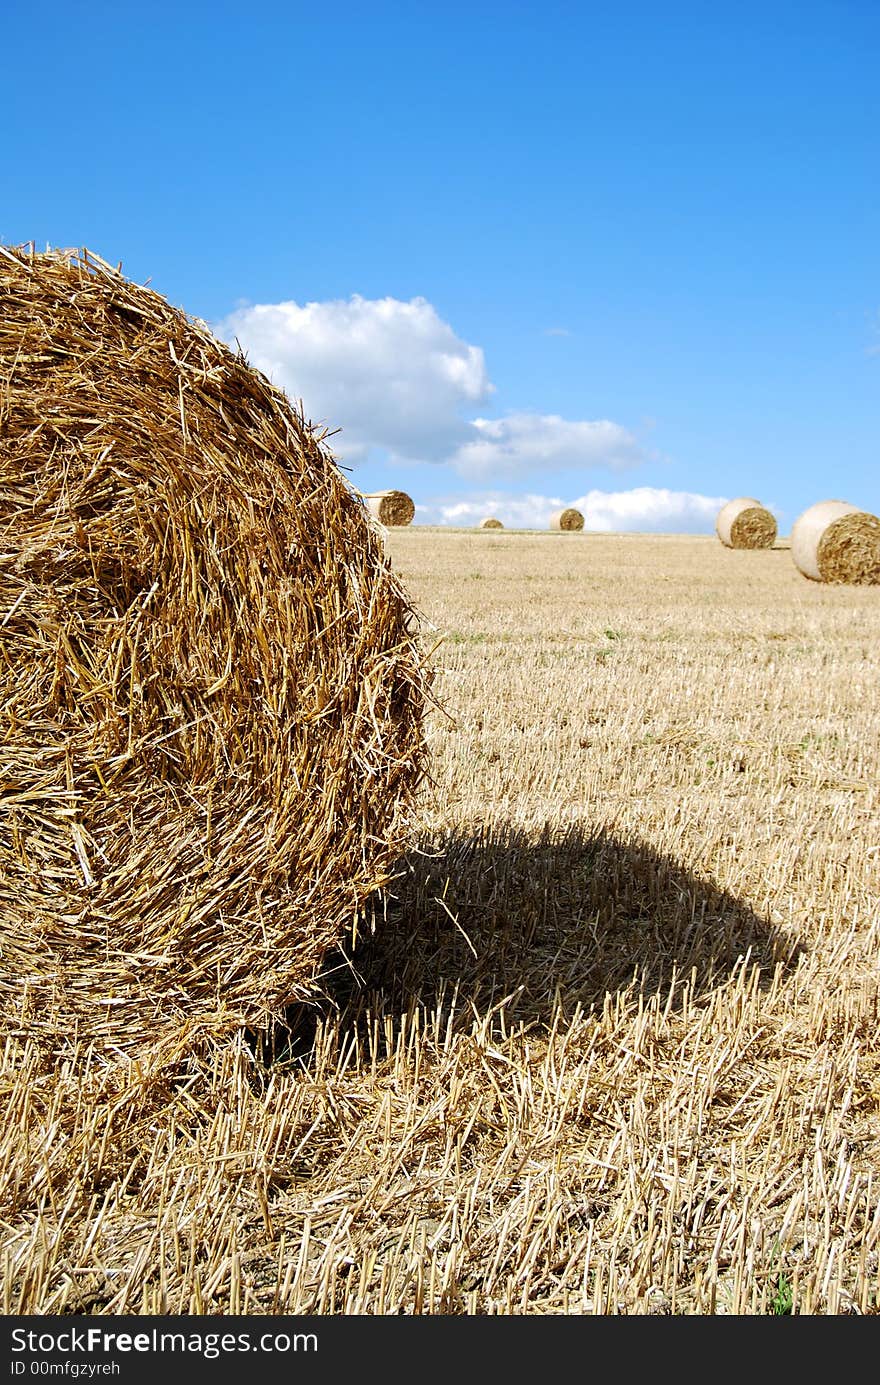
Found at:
[609, 1045]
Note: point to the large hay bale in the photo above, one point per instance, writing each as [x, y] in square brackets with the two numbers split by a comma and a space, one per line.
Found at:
[211, 686]
[391, 508]
[490, 522]
[745, 523]
[834, 541]
[568, 520]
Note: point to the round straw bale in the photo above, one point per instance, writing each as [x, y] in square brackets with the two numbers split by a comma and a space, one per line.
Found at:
[834, 541]
[391, 508]
[745, 523]
[490, 522]
[211, 684]
[568, 520]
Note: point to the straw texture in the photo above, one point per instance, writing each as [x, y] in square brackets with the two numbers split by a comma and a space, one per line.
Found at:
[490, 522]
[568, 520]
[211, 691]
[745, 523]
[834, 541]
[391, 508]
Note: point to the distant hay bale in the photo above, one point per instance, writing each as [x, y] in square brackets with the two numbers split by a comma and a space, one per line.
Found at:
[834, 541]
[211, 690]
[745, 523]
[568, 520]
[490, 522]
[391, 508]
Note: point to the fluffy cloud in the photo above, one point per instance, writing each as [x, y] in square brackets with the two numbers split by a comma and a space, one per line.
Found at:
[393, 377]
[649, 509]
[390, 374]
[523, 442]
[515, 511]
[645, 509]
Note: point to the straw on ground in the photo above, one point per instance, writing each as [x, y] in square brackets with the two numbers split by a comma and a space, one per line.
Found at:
[613, 1044]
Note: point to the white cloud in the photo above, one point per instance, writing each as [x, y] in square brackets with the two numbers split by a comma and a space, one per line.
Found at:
[389, 374]
[393, 377]
[515, 511]
[649, 509]
[521, 443]
[645, 509]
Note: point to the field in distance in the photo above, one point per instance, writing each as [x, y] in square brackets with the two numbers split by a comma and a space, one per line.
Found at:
[612, 1046]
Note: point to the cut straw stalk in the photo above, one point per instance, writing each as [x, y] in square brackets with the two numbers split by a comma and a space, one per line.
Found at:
[745, 523]
[210, 686]
[391, 508]
[568, 520]
[490, 522]
[834, 541]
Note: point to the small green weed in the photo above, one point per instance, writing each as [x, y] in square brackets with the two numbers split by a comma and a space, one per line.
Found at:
[783, 1299]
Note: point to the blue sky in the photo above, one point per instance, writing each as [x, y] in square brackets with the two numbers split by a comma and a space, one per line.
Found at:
[622, 255]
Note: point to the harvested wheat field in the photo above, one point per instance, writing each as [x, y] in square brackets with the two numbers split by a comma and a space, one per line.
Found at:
[611, 1047]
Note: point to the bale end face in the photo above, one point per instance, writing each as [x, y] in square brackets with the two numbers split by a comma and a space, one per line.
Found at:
[746, 523]
[490, 522]
[836, 542]
[568, 520]
[211, 689]
[392, 508]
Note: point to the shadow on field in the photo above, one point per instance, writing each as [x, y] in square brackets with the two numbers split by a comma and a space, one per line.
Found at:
[573, 917]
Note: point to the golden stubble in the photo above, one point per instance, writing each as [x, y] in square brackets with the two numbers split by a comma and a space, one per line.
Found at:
[609, 1043]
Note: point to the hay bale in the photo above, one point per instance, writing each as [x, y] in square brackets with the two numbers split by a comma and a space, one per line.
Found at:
[834, 541]
[391, 508]
[568, 520]
[210, 683]
[490, 522]
[745, 523]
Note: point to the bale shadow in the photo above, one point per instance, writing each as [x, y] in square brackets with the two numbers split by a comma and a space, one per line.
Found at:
[545, 925]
